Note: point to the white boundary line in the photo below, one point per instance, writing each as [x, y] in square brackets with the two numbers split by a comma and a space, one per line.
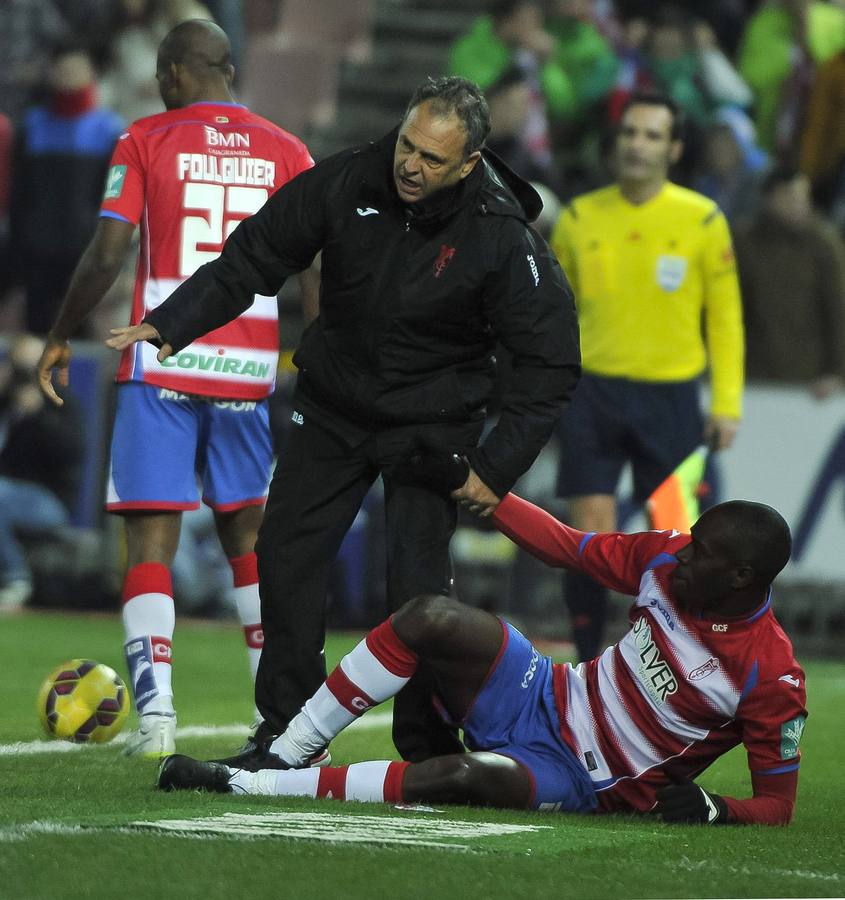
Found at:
[753, 870]
[335, 828]
[23, 748]
[13, 833]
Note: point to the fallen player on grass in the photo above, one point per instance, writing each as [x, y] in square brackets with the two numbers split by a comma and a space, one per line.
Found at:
[704, 667]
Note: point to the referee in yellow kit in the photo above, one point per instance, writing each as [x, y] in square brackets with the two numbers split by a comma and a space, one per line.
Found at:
[656, 288]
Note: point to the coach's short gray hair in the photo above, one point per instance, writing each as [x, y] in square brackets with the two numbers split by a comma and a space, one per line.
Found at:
[451, 94]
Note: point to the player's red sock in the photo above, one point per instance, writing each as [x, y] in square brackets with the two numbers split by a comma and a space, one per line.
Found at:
[368, 782]
[148, 620]
[248, 605]
[376, 669]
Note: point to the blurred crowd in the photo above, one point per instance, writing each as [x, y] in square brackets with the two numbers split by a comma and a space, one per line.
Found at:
[757, 82]
[762, 86]
[73, 73]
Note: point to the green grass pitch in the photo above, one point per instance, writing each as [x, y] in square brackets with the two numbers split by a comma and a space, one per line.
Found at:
[67, 818]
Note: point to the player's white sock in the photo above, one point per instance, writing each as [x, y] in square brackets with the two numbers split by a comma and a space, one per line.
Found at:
[148, 621]
[248, 604]
[376, 669]
[369, 782]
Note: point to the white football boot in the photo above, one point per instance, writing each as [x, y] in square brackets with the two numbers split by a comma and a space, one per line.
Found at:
[155, 737]
[14, 596]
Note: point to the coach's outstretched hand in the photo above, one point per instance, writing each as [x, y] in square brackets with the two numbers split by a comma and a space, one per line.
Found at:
[125, 337]
[55, 355]
[687, 802]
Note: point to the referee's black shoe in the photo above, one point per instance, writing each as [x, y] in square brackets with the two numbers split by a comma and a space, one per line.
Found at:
[182, 773]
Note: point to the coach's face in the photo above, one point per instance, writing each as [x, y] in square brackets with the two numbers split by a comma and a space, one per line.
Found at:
[644, 146]
[430, 154]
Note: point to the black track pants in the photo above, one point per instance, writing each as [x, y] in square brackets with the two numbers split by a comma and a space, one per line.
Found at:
[317, 489]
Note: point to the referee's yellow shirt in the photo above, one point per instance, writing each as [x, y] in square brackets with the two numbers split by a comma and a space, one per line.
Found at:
[652, 282]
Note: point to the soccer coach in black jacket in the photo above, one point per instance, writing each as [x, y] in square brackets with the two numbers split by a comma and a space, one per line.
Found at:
[427, 260]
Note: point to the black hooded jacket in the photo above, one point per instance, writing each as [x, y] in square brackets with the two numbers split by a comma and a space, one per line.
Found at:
[412, 302]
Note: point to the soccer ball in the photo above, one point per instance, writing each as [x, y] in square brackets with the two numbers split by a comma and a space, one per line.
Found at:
[83, 701]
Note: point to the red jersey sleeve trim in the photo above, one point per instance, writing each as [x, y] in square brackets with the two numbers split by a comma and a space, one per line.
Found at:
[585, 540]
[778, 771]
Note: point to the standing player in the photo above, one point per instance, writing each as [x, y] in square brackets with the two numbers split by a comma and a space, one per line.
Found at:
[650, 263]
[704, 667]
[188, 176]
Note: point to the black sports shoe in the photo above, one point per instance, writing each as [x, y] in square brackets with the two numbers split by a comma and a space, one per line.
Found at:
[180, 773]
[255, 754]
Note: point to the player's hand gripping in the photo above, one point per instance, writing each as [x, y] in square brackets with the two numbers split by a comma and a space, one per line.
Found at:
[476, 496]
[687, 802]
[452, 472]
[125, 337]
[55, 355]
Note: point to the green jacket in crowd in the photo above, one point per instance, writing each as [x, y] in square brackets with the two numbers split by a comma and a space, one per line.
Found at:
[765, 56]
[483, 58]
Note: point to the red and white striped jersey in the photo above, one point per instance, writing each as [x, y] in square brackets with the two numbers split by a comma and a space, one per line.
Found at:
[677, 691]
[189, 176]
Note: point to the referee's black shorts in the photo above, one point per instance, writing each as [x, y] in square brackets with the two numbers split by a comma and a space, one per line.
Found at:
[614, 421]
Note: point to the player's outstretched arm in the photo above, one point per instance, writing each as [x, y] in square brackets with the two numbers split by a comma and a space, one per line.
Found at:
[539, 532]
[94, 275]
[613, 559]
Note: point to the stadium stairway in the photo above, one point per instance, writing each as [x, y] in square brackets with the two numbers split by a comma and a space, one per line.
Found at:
[410, 40]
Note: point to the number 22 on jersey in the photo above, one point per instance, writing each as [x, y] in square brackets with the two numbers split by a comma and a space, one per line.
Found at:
[221, 209]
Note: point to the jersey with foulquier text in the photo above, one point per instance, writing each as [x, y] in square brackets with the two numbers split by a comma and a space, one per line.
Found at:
[677, 691]
[190, 176]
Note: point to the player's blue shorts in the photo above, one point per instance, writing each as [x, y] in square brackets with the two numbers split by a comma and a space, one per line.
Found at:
[614, 421]
[166, 444]
[514, 714]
